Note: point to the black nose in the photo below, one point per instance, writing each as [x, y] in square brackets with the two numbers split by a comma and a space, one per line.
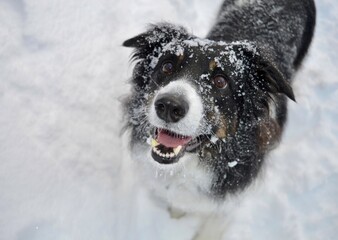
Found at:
[171, 108]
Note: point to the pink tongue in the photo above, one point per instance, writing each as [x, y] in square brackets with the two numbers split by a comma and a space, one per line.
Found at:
[170, 141]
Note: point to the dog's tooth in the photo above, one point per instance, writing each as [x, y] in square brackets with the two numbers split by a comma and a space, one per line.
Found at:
[172, 155]
[167, 155]
[177, 149]
[154, 143]
[157, 151]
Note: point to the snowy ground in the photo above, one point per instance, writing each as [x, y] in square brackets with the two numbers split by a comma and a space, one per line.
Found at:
[63, 166]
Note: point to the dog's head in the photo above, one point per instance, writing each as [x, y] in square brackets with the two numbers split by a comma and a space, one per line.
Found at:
[223, 102]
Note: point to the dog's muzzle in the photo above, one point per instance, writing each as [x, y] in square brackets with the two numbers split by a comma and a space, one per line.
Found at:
[176, 113]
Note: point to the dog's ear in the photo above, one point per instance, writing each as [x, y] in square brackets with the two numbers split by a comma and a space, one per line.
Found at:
[270, 77]
[274, 80]
[156, 37]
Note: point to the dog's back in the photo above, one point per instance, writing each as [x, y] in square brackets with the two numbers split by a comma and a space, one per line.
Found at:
[283, 28]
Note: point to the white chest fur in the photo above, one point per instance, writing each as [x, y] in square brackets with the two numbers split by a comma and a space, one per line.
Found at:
[183, 185]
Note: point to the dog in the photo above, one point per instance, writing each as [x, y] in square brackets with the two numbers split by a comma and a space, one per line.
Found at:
[203, 113]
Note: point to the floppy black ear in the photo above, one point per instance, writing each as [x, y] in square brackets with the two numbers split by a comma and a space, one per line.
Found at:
[270, 77]
[156, 36]
[137, 41]
[274, 80]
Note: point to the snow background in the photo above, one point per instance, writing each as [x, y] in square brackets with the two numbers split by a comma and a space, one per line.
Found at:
[64, 168]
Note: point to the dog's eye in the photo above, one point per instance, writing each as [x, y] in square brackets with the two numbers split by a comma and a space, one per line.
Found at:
[220, 82]
[167, 68]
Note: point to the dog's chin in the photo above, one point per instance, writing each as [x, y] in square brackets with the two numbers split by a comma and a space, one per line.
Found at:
[169, 147]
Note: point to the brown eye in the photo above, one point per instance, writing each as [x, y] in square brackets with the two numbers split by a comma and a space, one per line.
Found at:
[167, 68]
[220, 82]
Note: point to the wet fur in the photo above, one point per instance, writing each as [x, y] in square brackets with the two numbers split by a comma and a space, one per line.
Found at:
[270, 38]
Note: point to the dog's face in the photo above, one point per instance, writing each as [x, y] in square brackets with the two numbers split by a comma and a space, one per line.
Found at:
[220, 102]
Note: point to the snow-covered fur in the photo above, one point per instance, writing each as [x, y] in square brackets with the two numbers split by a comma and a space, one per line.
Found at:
[204, 112]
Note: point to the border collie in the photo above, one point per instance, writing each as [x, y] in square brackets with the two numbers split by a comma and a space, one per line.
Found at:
[204, 112]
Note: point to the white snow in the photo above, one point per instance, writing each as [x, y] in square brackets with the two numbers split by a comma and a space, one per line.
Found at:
[64, 168]
[213, 139]
[232, 164]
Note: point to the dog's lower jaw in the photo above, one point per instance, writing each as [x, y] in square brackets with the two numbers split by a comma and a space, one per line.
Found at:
[184, 185]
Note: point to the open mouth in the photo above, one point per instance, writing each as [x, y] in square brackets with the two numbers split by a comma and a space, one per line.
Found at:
[168, 147]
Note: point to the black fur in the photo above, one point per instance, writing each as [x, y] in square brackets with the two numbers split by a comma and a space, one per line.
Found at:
[259, 46]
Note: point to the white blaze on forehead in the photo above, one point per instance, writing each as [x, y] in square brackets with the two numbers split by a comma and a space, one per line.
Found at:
[189, 124]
